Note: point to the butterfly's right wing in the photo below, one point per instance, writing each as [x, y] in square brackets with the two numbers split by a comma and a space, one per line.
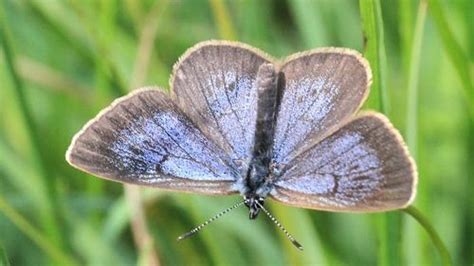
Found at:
[145, 139]
[322, 89]
[364, 166]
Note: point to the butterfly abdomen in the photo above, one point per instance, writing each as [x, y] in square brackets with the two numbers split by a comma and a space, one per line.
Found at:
[266, 82]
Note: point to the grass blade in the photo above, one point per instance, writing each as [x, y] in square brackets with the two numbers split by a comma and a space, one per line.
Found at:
[412, 87]
[3, 257]
[405, 17]
[372, 25]
[309, 21]
[43, 242]
[48, 209]
[223, 20]
[298, 223]
[389, 225]
[458, 57]
[413, 55]
[423, 221]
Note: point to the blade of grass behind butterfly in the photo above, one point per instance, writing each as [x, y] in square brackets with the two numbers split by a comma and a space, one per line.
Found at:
[342, 23]
[413, 247]
[405, 29]
[48, 211]
[455, 52]
[388, 224]
[462, 63]
[62, 20]
[222, 19]
[39, 238]
[372, 26]
[258, 235]
[298, 223]
[3, 256]
[253, 238]
[412, 143]
[103, 93]
[258, 26]
[90, 244]
[15, 174]
[255, 24]
[309, 21]
[31, 194]
[224, 249]
[145, 61]
[112, 48]
[468, 238]
[105, 90]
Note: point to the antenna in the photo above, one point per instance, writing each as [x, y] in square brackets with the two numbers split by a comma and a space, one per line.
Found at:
[290, 237]
[212, 219]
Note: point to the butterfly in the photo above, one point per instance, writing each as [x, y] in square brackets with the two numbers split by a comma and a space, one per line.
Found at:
[239, 121]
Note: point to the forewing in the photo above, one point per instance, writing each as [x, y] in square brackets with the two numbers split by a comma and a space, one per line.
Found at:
[321, 90]
[214, 84]
[145, 139]
[362, 167]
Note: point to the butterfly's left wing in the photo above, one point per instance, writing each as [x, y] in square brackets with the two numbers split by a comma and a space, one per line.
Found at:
[145, 139]
[364, 166]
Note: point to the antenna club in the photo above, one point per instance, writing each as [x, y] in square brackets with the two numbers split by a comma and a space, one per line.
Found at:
[275, 221]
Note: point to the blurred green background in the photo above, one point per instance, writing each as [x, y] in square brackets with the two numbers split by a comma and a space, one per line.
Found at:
[63, 61]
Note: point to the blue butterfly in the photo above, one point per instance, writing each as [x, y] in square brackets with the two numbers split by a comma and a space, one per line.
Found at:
[239, 121]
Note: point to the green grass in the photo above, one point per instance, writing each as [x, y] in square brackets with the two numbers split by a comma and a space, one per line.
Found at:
[63, 61]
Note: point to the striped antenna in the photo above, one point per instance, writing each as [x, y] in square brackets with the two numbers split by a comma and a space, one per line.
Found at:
[274, 220]
[212, 219]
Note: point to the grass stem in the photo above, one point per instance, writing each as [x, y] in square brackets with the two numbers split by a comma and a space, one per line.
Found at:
[223, 20]
[43, 242]
[48, 207]
[456, 54]
[389, 225]
[423, 221]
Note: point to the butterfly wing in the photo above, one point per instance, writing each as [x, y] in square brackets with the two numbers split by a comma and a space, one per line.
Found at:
[364, 166]
[144, 138]
[322, 89]
[214, 84]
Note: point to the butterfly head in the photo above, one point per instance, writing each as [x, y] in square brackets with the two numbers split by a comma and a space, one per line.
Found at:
[254, 203]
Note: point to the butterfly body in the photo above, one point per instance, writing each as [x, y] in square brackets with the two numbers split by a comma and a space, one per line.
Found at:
[256, 184]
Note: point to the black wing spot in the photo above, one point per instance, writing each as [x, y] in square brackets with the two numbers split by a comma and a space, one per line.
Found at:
[158, 166]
